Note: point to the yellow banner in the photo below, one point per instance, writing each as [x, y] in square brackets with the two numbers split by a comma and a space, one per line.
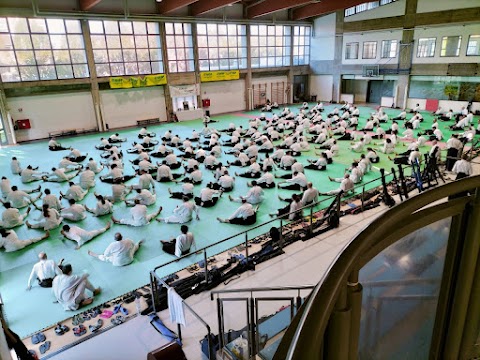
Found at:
[219, 75]
[137, 81]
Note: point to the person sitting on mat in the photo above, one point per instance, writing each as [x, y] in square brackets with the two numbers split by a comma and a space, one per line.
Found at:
[10, 241]
[80, 235]
[44, 271]
[253, 172]
[50, 219]
[246, 214]
[19, 198]
[355, 174]
[120, 252]
[115, 138]
[75, 212]
[320, 164]
[291, 209]
[138, 216]
[182, 213]
[144, 196]
[297, 182]
[76, 156]
[29, 175]
[207, 196]
[54, 145]
[103, 207]
[74, 192]
[58, 175]
[266, 181]
[254, 195]
[226, 182]
[187, 191]
[11, 216]
[181, 245]
[69, 290]
[346, 186]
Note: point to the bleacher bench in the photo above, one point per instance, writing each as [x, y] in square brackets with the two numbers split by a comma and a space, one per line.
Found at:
[70, 132]
[148, 122]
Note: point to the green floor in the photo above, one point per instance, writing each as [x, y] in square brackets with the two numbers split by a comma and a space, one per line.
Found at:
[28, 312]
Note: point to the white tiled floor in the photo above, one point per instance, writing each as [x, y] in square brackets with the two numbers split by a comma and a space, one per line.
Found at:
[304, 263]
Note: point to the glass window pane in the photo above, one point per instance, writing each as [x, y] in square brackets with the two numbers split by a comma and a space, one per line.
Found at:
[223, 53]
[5, 42]
[80, 71]
[28, 73]
[61, 57]
[212, 29]
[117, 69]
[75, 42]
[233, 64]
[142, 55]
[154, 42]
[113, 42]
[47, 72]
[222, 29]
[115, 56]
[9, 74]
[44, 57]
[157, 67]
[169, 28]
[232, 41]
[222, 41]
[98, 41]
[78, 57]
[127, 42]
[178, 28]
[202, 41]
[139, 27]
[111, 27]
[204, 65]
[170, 40]
[73, 26]
[262, 30]
[213, 53]
[187, 28]
[213, 64]
[59, 41]
[201, 29]
[102, 70]
[126, 27]
[56, 26]
[129, 55]
[25, 57]
[96, 27]
[144, 68]
[141, 41]
[203, 53]
[41, 41]
[171, 54]
[3, 25]
[189, 54]
[271, 30]
[7, 58]
[172, 66]
[253, 29]
[212, 41]
[100, 56]
[131, 68]
[179, 41]
[64, 71]
[153, 28]
[188, 41]
[22, 41]
[224, 64]
[37, 25]
[190, 65]
[155, 54]
[18, 25]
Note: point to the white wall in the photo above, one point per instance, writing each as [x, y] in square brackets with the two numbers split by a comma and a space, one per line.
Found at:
[323, 42]
[53, 112]
[377, 36]
[439, 5]
[322, 86]
[358, 88]
[411, 103]
[123, 107]
[393, 9]
[456, 106]
[225, 96]
[269, 81]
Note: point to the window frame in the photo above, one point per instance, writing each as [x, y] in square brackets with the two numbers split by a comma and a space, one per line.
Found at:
[433, 50]
[347, 45]
[275, 55]
[375, 53]
[301, 44]
[183, 49]
[382, 53]
[444, 46]
[477, 45]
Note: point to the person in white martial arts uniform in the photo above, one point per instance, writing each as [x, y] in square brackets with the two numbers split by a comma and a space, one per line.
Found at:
[293, 209]
[74, 192]
[58, 175]
[181, 245]
[346, 186]
[182, 213]
[82, 236]
[44, 271]
[266, 181]
[69, 290]
[75, 212]
[18, 198]
[463, 168]
[244, 215]
[254, 195]
[144, 196]
[297, 182]
[187, 191]
[10, 241]
[226, 182]
[29, 175]
[145, 181]
[49, 219]
[92, 165]
[15, 166]
[138, 216]
[103, 207]
[120, 252]
[87, 178]
[51, 200]
[11, 216]
[355, 175]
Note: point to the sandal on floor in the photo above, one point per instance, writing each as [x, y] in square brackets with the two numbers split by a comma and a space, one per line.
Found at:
[38, 338]
[117, 308]
[45, 347]
[58, 330]
[80, 330]
[124, 311]
[106, 314]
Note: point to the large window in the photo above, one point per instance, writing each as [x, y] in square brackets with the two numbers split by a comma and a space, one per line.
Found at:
[41, 49]
[301, 45]
[270, 45]
[473, 47]
[451, 46]
[126, 47]
[426, 47]
[179, 47]
[369, 50]
[222, 46]
[351, 51]
[389, 48]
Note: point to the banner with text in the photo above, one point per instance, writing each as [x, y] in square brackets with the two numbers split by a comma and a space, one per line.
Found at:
[184, 90]
[219, 75]
[137, 81]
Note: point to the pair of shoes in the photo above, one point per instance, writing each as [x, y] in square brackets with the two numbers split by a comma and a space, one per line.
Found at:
[118, 320]
[80, 330]
[120, 308]
[38, 338]
[45, 347]
[106, 314]
[61, 329]
[98, 325]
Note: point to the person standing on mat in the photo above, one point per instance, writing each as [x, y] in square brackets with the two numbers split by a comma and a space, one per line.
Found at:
[70, 289]
[80, 235]
[181, 245]
[44, 271]
[120, 252]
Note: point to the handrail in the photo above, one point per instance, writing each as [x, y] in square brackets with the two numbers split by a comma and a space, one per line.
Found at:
[319, 307]
[251, 290]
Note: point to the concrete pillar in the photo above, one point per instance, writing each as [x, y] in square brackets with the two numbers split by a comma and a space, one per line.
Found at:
[166, 89]
[248, 77]
[337, 62]
[6, 118]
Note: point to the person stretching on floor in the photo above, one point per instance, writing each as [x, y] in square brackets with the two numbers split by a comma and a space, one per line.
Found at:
[291, 209]
[10, 241]
[103, 207]
[50, 219]
[69, 290]
[182, 213]
[181, 245]
[246, 214]
[120, 252]
[11, 216]
[254, 195]
[44, 271]
[138, 215]
[80, 235]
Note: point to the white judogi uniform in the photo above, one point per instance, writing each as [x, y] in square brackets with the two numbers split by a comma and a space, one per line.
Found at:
[183, 243]
[254, 196]
[82, 236]
[87, 179]
[70, 290]
[119, 253]
[12, 243]
[139, 216]
[462, 166]
[146, 197]
[48, 223]
[243, 212]
[29, 175]
[12, 218]
[76, 193]
[18, 199]
[182, 213]
[44, 269]
[5, 187]
[103, 209]
[75, 212]
[52, 202]
[309, 196]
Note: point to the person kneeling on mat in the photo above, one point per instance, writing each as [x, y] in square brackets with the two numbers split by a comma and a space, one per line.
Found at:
[181, 245]
[69, 290]
[246, 214]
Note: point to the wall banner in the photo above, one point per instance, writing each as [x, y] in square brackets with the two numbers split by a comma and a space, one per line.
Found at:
[184, 90]
[208, 76]
[137, 81]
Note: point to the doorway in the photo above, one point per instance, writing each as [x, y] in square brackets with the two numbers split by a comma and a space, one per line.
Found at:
[300, 88]
[378, 89]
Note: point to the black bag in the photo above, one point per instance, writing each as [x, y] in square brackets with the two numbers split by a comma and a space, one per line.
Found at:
[45, 283]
